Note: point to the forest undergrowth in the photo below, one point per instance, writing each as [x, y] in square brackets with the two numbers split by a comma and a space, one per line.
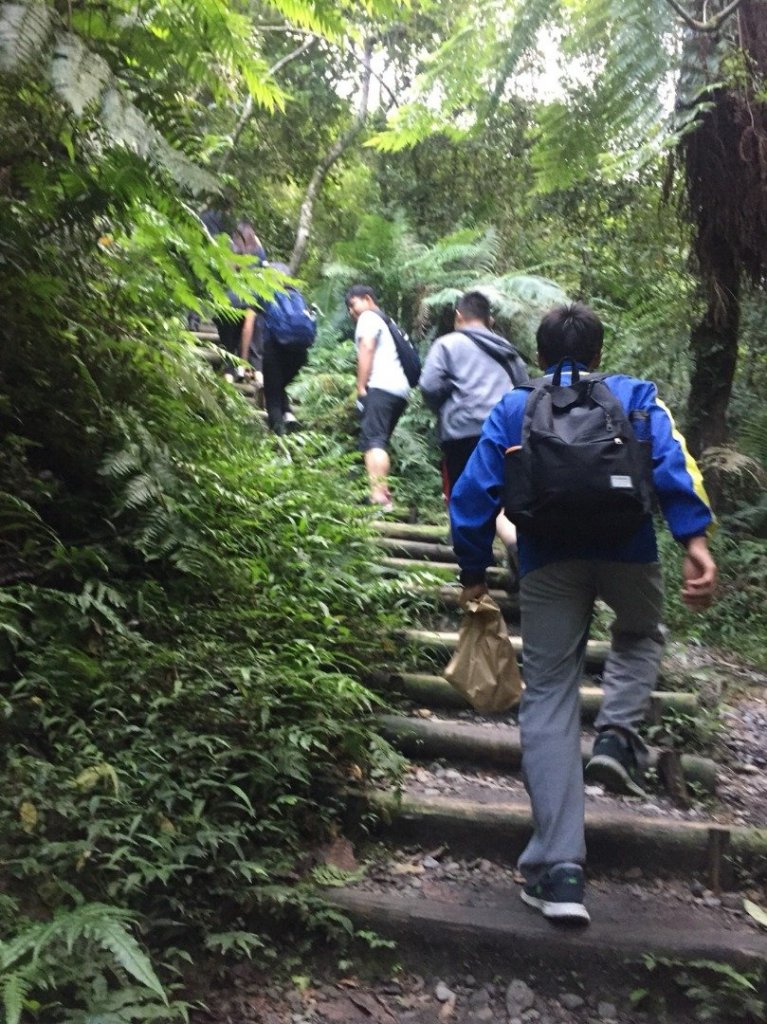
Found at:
[185, 602]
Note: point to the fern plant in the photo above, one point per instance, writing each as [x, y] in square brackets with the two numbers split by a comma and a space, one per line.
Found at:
[93, 946]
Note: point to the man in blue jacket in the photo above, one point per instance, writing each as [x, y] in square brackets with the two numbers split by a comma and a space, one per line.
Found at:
[560, 581]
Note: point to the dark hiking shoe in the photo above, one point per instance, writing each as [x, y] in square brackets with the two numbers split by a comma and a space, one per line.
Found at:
[613, 765]
[559, 894]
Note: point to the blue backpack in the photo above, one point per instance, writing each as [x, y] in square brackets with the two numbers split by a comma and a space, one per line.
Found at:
[289, 320]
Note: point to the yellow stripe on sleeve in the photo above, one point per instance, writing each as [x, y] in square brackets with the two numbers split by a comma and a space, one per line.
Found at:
[691, 465]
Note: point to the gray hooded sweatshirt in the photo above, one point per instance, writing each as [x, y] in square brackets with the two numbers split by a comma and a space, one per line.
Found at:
[462, 383]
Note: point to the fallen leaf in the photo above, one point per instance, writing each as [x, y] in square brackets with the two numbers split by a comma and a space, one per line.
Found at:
[89, 777]
[338, 854]
[407, 869]
[447, 1009]
[28, 816]
[758, 913]
[337, 1011]
[436, 853]
[366, 1003]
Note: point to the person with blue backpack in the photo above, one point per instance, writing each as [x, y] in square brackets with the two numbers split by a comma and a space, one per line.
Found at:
[577, 459]
[289, 329]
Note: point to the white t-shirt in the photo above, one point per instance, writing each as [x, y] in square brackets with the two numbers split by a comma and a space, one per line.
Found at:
[387, 373]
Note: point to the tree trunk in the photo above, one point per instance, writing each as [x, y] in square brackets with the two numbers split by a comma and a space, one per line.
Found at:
[247, 109]
[306, 214]
[714, 348]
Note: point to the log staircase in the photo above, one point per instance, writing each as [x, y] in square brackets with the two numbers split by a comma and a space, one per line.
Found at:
[667, 875]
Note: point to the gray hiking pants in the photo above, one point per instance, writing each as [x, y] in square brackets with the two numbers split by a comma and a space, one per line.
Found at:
[556, 603]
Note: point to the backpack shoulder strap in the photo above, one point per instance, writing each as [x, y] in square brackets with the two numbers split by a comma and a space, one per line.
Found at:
[480, 342]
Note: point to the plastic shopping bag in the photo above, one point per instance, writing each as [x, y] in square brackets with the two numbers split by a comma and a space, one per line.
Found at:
[484, 666]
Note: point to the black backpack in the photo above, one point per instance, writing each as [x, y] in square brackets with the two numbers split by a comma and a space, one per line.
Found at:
[407, 354]
[580, 473]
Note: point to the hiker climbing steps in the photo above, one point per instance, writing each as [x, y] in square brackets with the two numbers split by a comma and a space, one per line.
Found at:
[463, 796]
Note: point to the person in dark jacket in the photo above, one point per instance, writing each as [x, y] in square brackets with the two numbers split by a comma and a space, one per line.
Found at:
[242, 335]
[561, 577]
[465, 374]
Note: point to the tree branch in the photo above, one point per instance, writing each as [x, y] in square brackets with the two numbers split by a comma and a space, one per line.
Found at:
[341, 144]
[712, 24]
[247, 108]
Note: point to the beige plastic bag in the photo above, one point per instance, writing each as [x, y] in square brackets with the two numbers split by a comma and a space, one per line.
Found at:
[484, 666]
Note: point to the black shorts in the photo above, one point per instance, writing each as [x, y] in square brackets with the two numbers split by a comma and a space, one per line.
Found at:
[455, 455]
[379, 417]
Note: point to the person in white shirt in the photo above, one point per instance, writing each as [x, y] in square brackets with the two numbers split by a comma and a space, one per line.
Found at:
[382, 389]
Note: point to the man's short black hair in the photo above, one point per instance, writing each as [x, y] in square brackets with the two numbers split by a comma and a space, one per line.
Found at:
[360, 291]
[570, 331]
[474, 306]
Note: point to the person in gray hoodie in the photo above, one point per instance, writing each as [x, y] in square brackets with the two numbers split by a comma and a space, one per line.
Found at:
[465, 374]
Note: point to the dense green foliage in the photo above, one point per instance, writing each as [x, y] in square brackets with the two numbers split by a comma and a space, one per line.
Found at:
[185, 602]
[182, 611]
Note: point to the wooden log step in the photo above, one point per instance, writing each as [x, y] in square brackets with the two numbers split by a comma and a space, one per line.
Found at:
[246, 388]
[500, 746]
[449, 596]
[435, 692]
[207, 335]
[431, 534]
[506, 938]
[617, 838]
[211, 356]
[596, 650]
[496, 576]
[417, 549]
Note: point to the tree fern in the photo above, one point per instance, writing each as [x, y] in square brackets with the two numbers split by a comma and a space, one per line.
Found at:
[24, 33]
[83, 80]
[518, 302]
[78, 75]
[386, 254]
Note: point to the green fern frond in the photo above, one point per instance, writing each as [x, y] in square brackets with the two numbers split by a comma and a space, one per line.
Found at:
[16, 988]
[412, 123]
[529, 19]
[321, 18]
[518, 302]
[105, 925]
[121, 464]
[625, 53]
[109, 932]
[753, 436]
